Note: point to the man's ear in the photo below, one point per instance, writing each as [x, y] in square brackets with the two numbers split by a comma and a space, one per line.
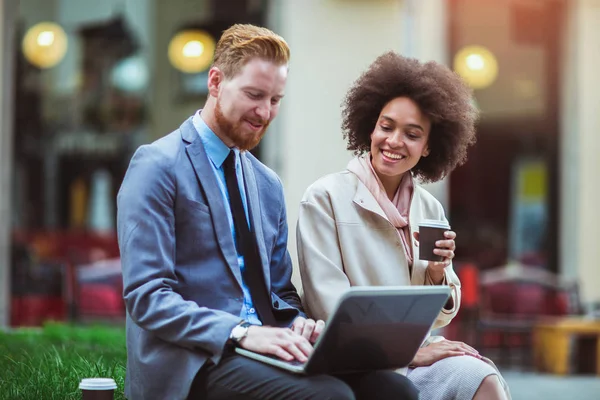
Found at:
[215, 78]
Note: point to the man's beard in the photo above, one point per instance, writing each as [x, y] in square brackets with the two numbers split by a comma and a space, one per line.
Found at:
[234, 130]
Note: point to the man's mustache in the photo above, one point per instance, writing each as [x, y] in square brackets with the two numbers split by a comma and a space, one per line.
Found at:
[258, 122]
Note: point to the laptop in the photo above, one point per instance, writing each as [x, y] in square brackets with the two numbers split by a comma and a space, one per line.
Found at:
[371, 328]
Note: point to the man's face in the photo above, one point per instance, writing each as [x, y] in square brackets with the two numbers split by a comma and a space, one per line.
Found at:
[249, 101]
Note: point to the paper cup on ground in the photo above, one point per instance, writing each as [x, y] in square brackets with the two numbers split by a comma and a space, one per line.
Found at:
[430, 231]
[97, 388]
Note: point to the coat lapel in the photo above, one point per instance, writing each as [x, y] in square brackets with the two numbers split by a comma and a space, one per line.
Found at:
[365, 199]
[415, 216]
[255, 213]
[208, 183]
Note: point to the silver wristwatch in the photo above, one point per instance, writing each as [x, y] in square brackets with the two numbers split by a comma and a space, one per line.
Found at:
[239, 331]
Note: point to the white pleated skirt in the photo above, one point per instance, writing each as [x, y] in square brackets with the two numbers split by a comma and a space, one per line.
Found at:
[453, 378]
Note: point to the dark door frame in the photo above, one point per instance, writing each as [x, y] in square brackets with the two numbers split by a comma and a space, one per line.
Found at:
[546, 30]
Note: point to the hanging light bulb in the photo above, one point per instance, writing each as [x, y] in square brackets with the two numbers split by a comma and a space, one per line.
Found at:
[45, 44]
[477, 66]
[130, 74]
[192, 51]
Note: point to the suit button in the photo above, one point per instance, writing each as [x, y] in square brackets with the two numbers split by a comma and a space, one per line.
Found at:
[276, 304]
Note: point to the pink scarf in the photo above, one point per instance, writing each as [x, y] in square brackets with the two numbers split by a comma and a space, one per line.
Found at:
[396, 210]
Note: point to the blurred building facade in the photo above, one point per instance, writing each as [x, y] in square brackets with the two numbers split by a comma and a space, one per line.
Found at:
[528, 192]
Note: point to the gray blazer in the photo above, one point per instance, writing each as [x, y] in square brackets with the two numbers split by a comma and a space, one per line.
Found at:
[182, 283]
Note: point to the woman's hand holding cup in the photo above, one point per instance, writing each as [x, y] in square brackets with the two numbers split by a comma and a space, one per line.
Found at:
[436, 245]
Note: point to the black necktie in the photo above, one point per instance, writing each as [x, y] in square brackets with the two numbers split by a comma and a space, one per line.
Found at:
[246, 246]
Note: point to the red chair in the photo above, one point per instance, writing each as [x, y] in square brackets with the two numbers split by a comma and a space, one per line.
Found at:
[463, 326]
[513, 300]
[34, 300]
[99, 290]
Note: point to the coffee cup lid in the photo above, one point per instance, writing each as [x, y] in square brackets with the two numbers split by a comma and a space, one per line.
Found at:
[434, 223]
[97, 384]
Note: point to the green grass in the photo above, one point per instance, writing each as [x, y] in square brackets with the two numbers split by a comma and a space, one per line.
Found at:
[49, 363]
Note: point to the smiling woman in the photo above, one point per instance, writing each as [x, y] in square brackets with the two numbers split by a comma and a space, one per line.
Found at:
[405, 121]
[446, 105]
[398, 141]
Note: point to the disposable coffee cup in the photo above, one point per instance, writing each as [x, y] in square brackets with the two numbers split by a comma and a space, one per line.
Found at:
[97, 388]
[430, 231]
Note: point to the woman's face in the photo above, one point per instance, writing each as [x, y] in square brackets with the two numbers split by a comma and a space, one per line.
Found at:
[399, 140]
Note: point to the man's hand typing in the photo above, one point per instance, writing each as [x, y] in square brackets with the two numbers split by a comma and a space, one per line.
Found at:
[281, 342]
[309, 328]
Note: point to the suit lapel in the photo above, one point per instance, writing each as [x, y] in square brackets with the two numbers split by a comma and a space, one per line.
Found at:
[254, 212]
[208, 183]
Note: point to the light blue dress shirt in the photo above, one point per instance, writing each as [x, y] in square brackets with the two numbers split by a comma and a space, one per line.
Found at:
[217, 152]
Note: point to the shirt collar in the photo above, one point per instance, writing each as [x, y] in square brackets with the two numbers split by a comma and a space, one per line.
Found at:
[216, 150]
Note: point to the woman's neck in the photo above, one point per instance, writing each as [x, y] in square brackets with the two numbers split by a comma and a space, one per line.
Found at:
[390, 184]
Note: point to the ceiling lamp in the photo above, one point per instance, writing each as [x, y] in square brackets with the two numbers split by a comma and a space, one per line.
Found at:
[45, 44]
[192, 51]
[130, 74]
[477, 66]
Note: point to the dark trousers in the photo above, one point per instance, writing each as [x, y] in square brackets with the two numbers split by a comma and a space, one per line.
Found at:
[237, 377]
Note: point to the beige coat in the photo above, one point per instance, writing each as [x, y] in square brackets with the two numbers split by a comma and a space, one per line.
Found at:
[344, 239]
